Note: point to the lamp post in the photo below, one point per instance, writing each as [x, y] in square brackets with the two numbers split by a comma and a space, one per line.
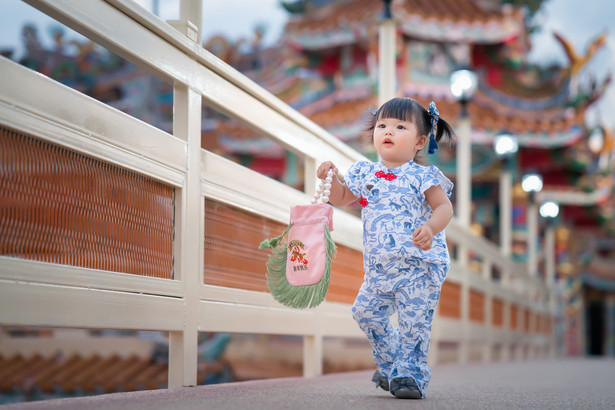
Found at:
[463, 84]
[549, 211]
[506, 146]
[386, 47]
[532, 183]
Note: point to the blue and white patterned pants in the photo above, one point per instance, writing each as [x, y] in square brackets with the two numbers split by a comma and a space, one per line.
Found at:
[400, 352]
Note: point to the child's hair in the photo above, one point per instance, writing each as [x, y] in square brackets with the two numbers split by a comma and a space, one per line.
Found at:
[406, 109]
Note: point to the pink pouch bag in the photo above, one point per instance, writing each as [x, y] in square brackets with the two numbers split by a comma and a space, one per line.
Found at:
[307, 255]
[298, 269]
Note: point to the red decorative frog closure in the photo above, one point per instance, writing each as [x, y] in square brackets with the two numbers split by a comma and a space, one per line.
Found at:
[389, 176]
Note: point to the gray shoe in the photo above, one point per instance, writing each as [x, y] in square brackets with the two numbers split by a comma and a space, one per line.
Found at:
[405, 388]
[380, 381]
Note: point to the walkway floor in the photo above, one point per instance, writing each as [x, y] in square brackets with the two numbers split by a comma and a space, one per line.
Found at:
[543, 384]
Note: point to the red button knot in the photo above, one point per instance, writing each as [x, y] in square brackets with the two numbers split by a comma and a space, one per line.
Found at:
[363, 202]
[389, 176]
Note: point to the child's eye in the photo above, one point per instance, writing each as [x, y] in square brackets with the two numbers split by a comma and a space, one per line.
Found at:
[381, 126]
[401, 127]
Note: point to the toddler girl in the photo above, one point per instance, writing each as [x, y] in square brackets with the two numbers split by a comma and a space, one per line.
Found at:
[406, 207]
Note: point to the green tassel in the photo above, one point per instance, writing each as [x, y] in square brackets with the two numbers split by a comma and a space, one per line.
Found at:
[273, 242]
[299, 297]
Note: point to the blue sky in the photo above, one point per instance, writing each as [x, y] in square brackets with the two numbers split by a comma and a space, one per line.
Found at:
[579, 21]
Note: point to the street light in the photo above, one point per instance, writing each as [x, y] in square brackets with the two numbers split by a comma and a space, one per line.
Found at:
[463, 84]
[595, 142]
[506, 146]
[532, 183]
[549, 210]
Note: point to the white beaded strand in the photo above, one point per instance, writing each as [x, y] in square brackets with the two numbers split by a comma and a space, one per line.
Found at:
[324, 189]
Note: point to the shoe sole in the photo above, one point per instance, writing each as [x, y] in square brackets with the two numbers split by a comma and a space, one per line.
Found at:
[408, 394]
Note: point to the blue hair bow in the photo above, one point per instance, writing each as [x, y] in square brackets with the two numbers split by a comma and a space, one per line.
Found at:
[435, 117]
[374, 112]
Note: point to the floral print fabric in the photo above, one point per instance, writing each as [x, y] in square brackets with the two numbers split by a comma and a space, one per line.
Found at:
[392, 209]
[399, 277]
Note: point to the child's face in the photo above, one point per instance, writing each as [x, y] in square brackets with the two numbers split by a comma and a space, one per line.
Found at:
[397, 141]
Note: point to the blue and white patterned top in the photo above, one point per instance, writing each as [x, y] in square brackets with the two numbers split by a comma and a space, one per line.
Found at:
[394, 205]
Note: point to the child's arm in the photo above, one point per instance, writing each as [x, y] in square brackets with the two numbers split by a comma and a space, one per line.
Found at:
[340, 194]
[442, 215]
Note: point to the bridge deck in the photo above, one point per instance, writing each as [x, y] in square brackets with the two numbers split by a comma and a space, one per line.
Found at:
[544, 384]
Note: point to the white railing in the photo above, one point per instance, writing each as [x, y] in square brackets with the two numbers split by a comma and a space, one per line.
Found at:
[46, 294]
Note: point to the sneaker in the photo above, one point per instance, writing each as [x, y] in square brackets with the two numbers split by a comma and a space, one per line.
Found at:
[405, 388]
[380, 381]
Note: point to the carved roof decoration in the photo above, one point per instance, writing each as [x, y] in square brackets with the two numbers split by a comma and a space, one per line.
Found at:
[458, 21]
[347, 22]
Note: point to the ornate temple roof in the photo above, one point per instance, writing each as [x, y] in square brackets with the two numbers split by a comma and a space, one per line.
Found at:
[345, 22]
[458, 20]
[544, 107]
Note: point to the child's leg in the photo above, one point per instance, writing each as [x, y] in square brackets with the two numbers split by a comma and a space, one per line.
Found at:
[416, 303]
[372, 311]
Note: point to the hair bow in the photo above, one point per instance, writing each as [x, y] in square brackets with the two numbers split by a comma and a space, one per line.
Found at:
[374, 112]
[435, 117]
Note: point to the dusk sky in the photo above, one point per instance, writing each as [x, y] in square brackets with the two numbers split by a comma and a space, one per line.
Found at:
[578, 21]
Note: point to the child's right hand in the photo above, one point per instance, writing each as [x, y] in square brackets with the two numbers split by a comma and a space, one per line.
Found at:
[324, 168]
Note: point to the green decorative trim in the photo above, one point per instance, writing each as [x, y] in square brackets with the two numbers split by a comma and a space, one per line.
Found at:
[298, 297]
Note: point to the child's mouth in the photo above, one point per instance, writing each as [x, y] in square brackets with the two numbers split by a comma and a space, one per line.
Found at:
[388, 141]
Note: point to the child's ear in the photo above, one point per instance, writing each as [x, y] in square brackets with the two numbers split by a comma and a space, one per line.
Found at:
[422, 141]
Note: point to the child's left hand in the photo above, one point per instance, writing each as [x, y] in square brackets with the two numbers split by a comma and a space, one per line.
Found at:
[423, 237]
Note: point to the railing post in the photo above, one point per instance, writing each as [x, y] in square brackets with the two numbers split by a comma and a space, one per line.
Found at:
[488, 342]
[506, 322]
[521, 321]
[531, 337]
[464, 347]
[190, 212]
[189, 239]
[190, 21]
[312, 355]
[312, 344]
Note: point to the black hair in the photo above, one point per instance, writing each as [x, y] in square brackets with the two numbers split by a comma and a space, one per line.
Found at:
[407, 109]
